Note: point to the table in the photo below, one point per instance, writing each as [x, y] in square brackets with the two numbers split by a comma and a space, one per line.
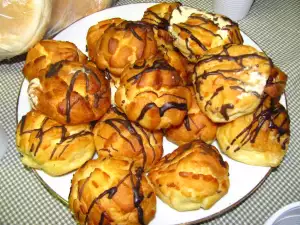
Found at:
[273, 24]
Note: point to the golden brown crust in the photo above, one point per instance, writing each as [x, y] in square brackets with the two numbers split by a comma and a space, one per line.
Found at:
[71, 93]
[229, 81]
[276, 83]
[202, 31]
[152, 94]
[196, 126]
[48, 52]
[260, 138]
[95, 33]
[116, 136]
[106, 191]
[121, 45]
[176, 60]
[55, 148]
[191, 177]
[159, 15]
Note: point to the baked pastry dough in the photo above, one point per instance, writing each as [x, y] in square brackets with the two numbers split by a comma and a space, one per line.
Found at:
[159, 15]
[276, 83]
[116, 136]
[230, 80]
[109, 191]
[152, 94]
[260, 138]
[191, 177]
[123, 44]
[196, 125]
[95, 33]
[52, 147]
[197, 31]
[48, 52]
[70, 93]
[176, 60]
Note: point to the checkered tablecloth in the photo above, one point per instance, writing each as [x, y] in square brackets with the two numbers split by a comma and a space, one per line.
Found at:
[274, 25]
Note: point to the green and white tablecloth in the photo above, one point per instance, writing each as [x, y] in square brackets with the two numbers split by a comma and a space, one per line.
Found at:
[275, 27]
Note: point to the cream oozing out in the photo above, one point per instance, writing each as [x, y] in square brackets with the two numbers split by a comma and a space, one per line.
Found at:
[32, 87]
[256, 83]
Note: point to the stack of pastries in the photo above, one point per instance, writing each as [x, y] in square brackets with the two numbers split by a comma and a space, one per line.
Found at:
[180, 72]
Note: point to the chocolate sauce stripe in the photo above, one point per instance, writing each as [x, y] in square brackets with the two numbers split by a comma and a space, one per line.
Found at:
[110, 122]
[162, 109]
[157, 65]
[231, 58]
[203, 28]
[192, 37]
[162, 23]
[159, 96]
[262, 115]
[110, 192]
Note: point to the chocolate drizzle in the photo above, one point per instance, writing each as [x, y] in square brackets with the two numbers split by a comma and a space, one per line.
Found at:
[161, 23]
[41, 131]
[186, 123]
[54, 69]
[159, 64]
[192, 37]
[224, 110]
[267, 112]
[239, 86]
[136, 189]
[162, 109]
[86, 72]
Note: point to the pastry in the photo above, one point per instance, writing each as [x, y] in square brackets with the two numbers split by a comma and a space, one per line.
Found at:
[121, 45]
[48, 52]
[195, 31]
[116, 136]
[276, 83]
[52, 147]
[229, 81]
[70, 93]
[95, 33]
[159, 15]
[109, 191]
[176, 60]
[260, 138]
[152, 94]
[196, 125]
[191, 177]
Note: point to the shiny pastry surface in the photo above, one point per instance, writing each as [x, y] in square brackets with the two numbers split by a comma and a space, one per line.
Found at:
[95, 33]
[121, 45]
[55, 148]
[195, 31]
[260, 138]
[48, 52]
[109, 191]
[196, 125]
[152, 94]
[116, 136]
[71, 93]
[229, 81]
[276, 83]
[193, 176]
[160, 14]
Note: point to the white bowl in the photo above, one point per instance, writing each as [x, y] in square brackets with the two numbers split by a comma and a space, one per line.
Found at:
[288, 215]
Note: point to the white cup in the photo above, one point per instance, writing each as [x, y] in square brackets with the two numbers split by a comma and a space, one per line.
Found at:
[3, 142]
[234, 9]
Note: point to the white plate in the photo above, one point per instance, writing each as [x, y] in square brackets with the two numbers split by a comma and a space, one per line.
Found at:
[244, 179]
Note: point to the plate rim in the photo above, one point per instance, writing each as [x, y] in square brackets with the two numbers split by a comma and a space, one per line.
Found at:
[210, 217]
